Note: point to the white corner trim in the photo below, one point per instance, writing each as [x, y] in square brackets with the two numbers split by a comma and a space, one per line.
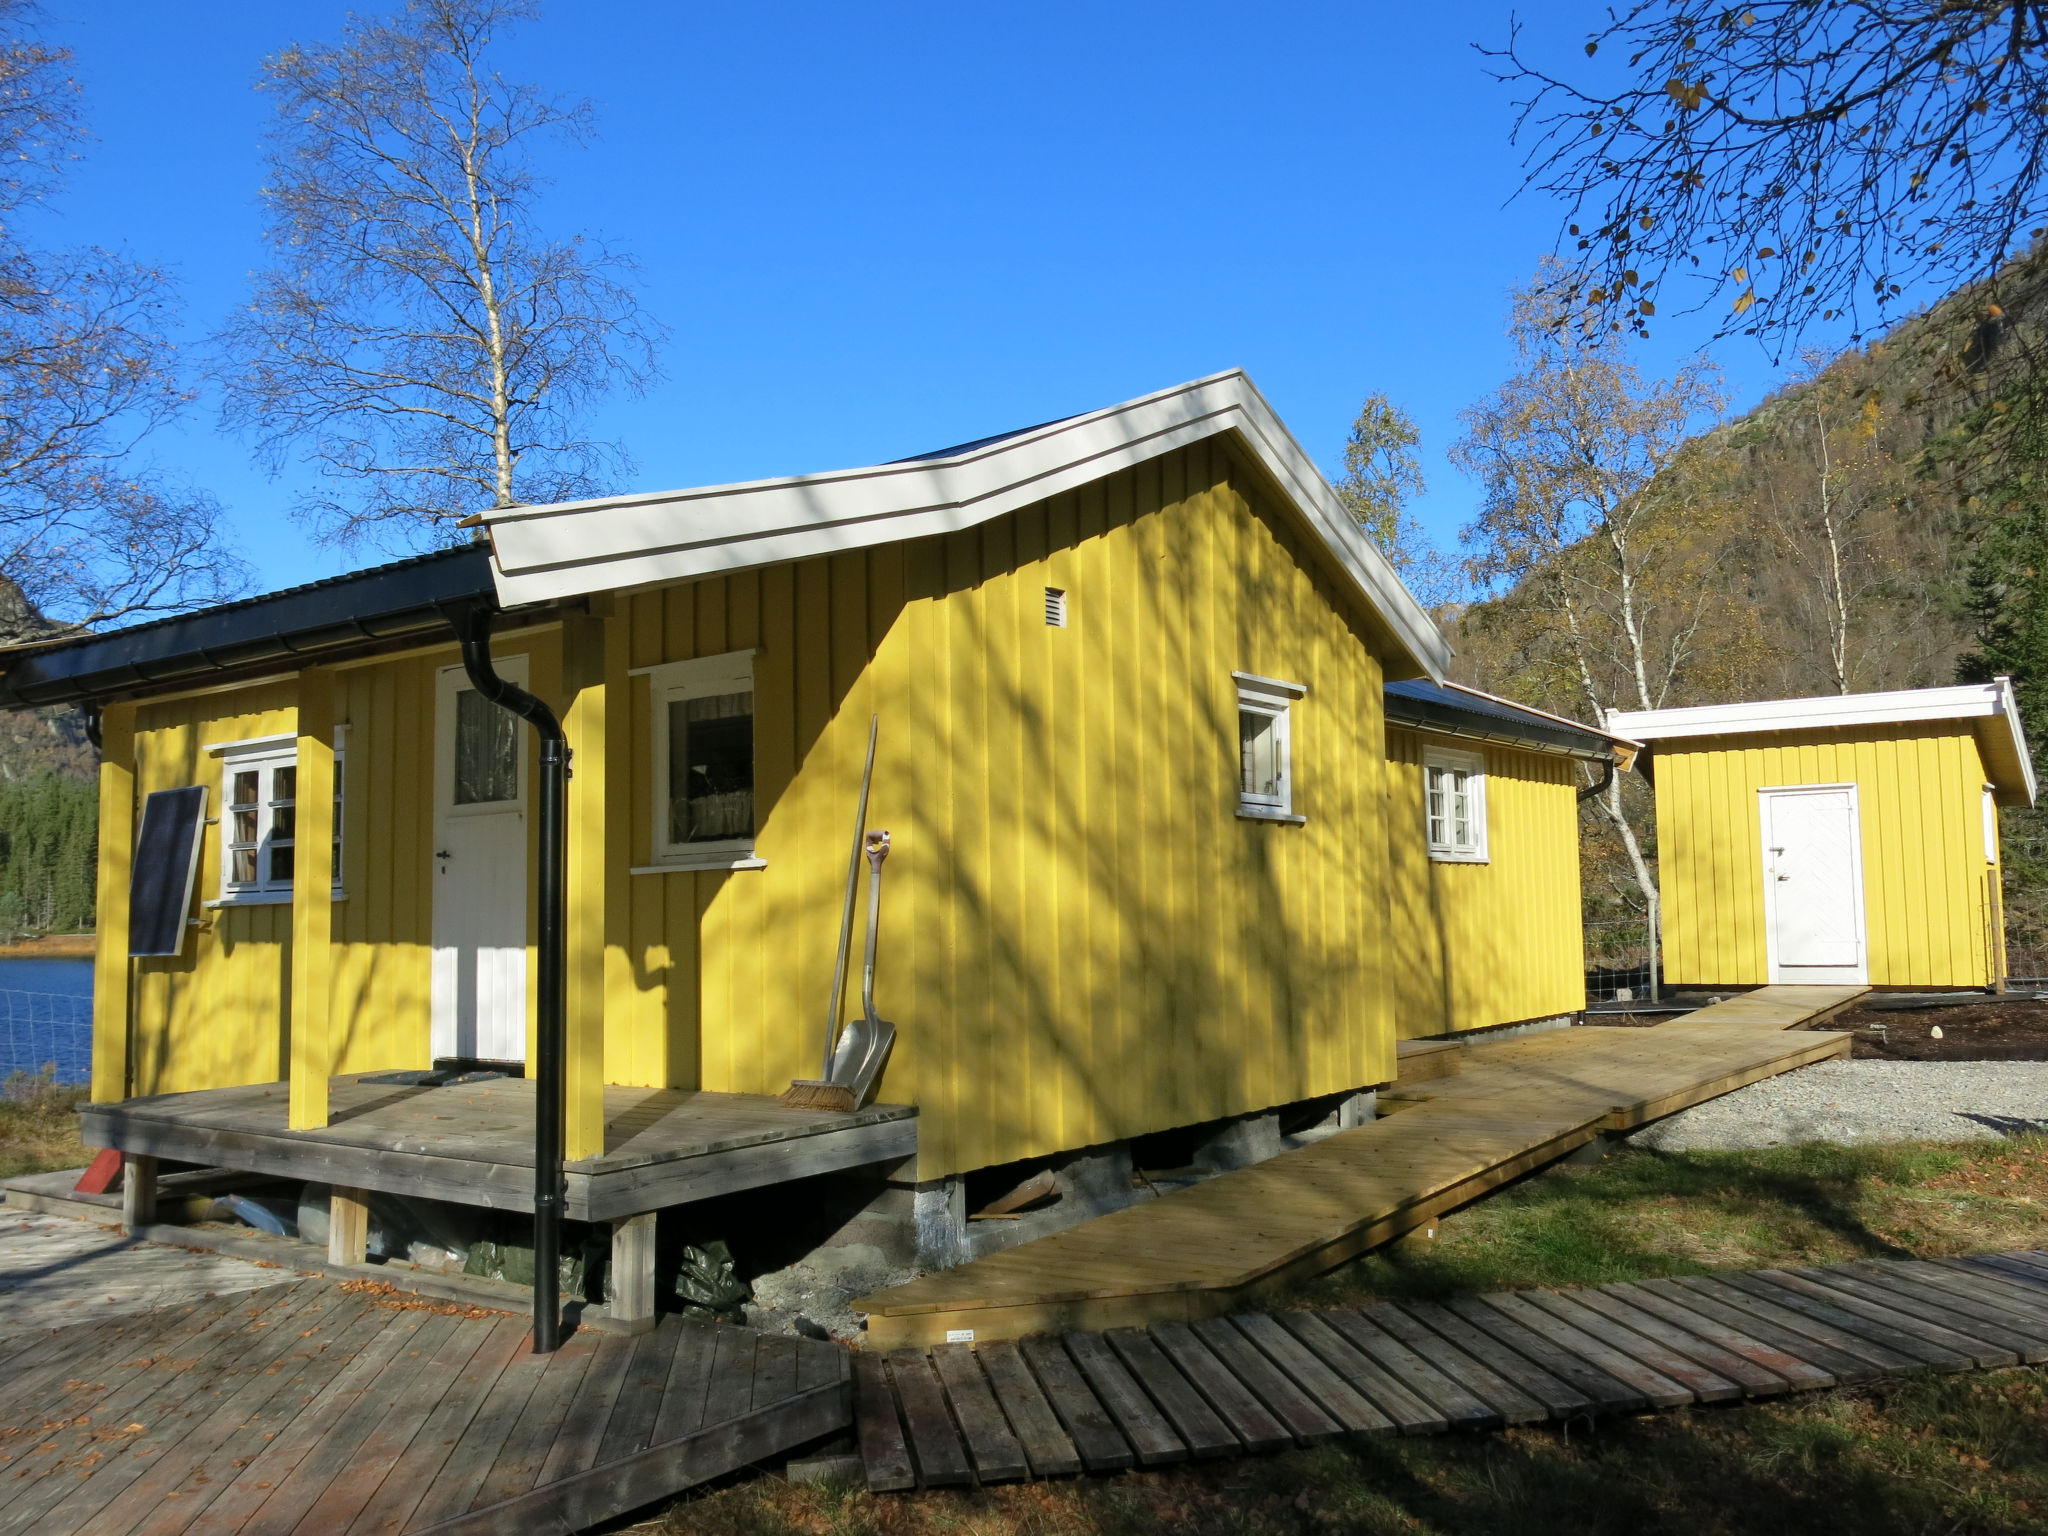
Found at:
[1251, 682]
[572, 549]
[701, 861]
[253, 744]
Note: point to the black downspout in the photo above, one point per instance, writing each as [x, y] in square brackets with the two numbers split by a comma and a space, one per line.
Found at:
[473, 625]
[1606, 778]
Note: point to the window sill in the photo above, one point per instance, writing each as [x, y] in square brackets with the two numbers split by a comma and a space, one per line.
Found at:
[264, 899]
[1270, 813]
[1436, 856]
[701, 861]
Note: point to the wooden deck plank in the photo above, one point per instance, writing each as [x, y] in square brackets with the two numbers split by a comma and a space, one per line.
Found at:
[1194, 1421]
[196, 1367]
[532, 1436]
[1557, 1399]
[1284, 1397]
[1946, 1289]
[404, 1414]
[884, 1456]
[1798, 1372]
[934, 1446]
[483, 1441]
[632, 1420]
[2017, 1294]
[1428, 1367]
[730, 1391]
[994, 1448]
[581, 1434]
[775, 1367]
[1948, 1333]
[1088, 1423]
[2010, 1268]
[355, 1432]
[1047, 1447]
[689, 1381]
[1151, 1437]
[1889, 1348]
[1253, 1424]
[1351, 1412]
[1797, 1336]
[1591, 1348]
[1741, 1376]
[1504, 1324]
[391, 1508]
[1403, 1407]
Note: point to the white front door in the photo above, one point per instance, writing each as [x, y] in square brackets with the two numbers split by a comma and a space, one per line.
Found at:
[479, 973]
[1813, 884]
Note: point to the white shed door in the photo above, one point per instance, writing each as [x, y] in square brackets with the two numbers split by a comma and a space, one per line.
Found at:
[1813, 884]
[479, 967]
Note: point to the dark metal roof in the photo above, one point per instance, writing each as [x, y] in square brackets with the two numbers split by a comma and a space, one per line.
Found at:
[1466, 712]
[979, 442]
[294, 626]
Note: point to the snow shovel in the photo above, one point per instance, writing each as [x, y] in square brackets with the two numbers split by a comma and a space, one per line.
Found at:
[856, 1054]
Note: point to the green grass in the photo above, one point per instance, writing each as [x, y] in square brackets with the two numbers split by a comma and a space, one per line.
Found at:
[1639, 1214]
[1962, 1455]
[39, 1126]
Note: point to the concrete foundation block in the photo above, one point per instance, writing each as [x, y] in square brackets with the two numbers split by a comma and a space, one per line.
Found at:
[1240, 1143]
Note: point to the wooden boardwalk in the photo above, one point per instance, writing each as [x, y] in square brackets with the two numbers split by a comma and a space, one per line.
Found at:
[1101, 1402]
[318, 1410]
[1511, 1107]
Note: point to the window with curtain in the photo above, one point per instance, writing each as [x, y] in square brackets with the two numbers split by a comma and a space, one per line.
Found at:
[1454, 805]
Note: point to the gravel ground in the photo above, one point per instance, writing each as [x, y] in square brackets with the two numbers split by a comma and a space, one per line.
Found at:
[1864, 1101]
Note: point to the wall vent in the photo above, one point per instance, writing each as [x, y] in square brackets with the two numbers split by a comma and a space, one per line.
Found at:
[1056, 607]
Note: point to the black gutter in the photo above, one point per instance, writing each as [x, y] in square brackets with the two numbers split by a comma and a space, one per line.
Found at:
[292, 628]
[473, 626]
[1483, 722]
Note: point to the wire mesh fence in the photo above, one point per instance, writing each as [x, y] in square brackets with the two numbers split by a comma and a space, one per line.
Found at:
[1617, 959]
[45, 1034]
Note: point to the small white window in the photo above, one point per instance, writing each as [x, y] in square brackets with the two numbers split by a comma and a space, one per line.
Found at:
[1990, 824]
[1265, 747]
[1454, 805]
[704, 762]
[1056, 607]
[259, 843]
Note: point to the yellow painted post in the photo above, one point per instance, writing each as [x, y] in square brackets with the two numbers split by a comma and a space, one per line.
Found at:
[584, 682]
[312, 1047]
[112, 992]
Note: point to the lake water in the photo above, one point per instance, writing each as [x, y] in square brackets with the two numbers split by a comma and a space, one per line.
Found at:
[46, 1017]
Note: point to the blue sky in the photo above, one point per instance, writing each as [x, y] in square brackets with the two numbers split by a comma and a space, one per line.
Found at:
[877, 229]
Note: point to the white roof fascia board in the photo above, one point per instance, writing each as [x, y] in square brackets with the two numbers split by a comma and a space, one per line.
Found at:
[1992, 702]
[620, 543]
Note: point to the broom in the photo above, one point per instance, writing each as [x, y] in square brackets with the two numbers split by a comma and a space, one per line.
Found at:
[826, 1094]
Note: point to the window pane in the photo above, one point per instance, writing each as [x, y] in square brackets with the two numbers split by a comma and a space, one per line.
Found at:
[711, 768]
[243, 867]
[284, 783]
[281, 864]
[486, 751]
[245, 826]
[245, 787]
[283, 819]
[1258, 738]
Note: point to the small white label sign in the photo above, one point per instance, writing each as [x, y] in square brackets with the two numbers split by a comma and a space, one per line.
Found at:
[959, 1335]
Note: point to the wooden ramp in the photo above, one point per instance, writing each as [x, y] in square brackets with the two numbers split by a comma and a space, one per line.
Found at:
[318, 1409]
[1208, 1250]
[1175, 1392]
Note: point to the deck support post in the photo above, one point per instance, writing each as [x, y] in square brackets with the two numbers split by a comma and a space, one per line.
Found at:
[629, 1301]
[312, 1048]
[348, 1226]
[138, 1191]
[112, 975]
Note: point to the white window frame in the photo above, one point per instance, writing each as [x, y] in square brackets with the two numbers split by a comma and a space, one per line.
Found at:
[1473, 766]
[264, 753]
[673, 682]
[1273, 698]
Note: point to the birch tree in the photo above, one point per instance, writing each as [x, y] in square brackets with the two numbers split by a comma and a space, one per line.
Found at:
[1581, 517]
[418, 336]
[1382, 474]
[88, 534]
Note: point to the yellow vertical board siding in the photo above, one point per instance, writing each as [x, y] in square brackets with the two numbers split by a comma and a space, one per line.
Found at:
[1080, 940]
[112, 994]
[1494, 943]
[1925, 916]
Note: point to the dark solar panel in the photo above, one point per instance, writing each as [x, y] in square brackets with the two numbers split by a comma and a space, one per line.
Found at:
[166, 864]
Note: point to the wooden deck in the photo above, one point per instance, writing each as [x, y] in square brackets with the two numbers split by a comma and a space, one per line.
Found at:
[318, 1410]
[1208, 1250]
[1101, 1402]
[473, 1144]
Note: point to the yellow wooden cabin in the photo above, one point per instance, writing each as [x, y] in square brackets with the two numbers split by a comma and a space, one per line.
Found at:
[1846, 839]
[1185, 825]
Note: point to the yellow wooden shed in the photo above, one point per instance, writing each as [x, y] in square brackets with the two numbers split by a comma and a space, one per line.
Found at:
[1850, 838]
[1185, 828]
